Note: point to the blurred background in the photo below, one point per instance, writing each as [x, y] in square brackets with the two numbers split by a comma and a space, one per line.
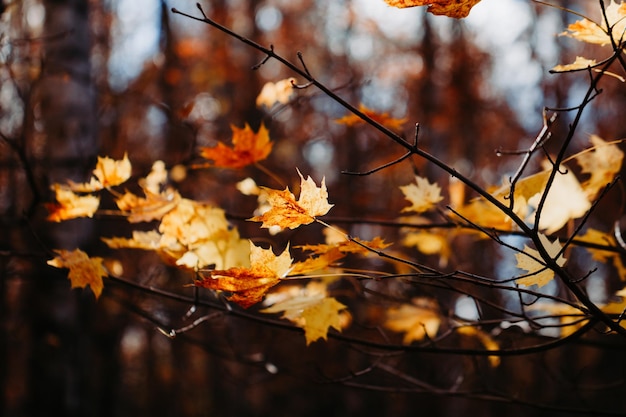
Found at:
[85, 78]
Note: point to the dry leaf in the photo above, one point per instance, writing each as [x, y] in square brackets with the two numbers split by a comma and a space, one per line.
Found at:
[587, 31]
[605, 256]
[382, 118]
[422, 195]
[286, 212]
[248, 148]
[566, 200]
[108, 173]
[579, 64]
[83, 269]
[602, 162]
[417, 320]
[70, 206]
[152, 207]
[278, 92]
[451, 8]
[310, 308]
[530, 260]
[249, 285]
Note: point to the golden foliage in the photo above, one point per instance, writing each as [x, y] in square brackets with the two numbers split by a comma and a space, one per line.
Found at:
[286, 212]
[530, 260]
[70, 206]
[381, 118]
[83, 269]
[249, 285]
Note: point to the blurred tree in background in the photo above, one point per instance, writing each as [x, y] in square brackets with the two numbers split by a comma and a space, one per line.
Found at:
[82, 79]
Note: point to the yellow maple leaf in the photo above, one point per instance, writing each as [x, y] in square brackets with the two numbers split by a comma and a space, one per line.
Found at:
[451, 8]
[588, 31]
[604, 256]
[570, 317]
[286, 212]
[311, 309]
[151, 207]
[70, 206]
[248, 147]
[602, 162]
[578, 64]
[382, 118]
[422, 195]
[108, 173]
[566, 200]
[278, 92]
[530, 260]
[83, 269]
[430, 243]
[417, 320]
[192, 235]
[249, 285]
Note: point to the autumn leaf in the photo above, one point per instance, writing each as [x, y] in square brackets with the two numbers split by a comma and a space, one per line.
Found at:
[430, 243]
[382, 118]
[191, 235]
[604, 256]
[588, 31]
[309, 308]
[579, 64]
[570, 317]
[530, 260]
[566, 200]
[108, 173]
[151, 207]
[417, 320]
[278, 92]
[70, 206]
[602, 162]
[451, 8]
[83, 269]
[422, 195]
[248, 147]
[249, 285]
[286, 212]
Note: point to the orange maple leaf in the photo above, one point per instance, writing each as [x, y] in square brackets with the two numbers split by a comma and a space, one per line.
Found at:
[451, 8]
[249, 285]
[286, 212]
[70, 206]
[83, 269]
[248, 148]
[586, 30]
[382, 118]
[152, 207]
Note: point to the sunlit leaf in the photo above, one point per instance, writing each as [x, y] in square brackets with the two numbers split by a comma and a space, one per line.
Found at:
[417, 320]
[279, 92]
[605, 256]
[530, 260]
[286, 212]
[249, 285]
[108, 173]
[248, 147]
[83, 269]
[422, 195]
[382, 118]
[578, 64]
[588, 31]
[311, 309]
[602, 162]
[451, 8]
[70, 206]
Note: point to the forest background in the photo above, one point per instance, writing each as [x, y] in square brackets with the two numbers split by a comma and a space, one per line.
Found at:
[438, 322]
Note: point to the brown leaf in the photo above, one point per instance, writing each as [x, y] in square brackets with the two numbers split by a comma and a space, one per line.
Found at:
[248, 148]
[451, 8]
